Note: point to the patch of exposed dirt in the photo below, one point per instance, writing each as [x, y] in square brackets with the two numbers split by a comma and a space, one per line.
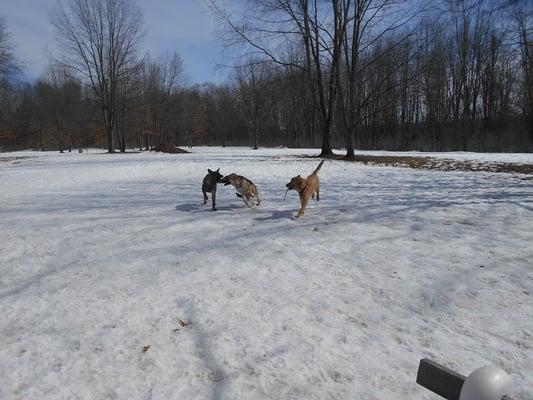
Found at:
[168, 148]
[441, 164]
[13, 160]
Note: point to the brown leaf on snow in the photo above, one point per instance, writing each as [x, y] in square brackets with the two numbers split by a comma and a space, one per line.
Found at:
[145, 348]
[184, 323]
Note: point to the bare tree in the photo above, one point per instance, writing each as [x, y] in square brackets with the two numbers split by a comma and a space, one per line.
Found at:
[522, 15]
[8, 61]
[371, 74]
[253, 84]
[373, 32]
[304, 24]
[164, 79]
[100, 40]
[57, 100]
[195, 117]
[8, 66]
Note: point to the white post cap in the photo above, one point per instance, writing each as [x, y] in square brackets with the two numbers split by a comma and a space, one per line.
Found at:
[486, 383]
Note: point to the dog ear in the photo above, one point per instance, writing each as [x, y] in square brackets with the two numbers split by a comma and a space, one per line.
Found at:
[208, 170]
[218, 170]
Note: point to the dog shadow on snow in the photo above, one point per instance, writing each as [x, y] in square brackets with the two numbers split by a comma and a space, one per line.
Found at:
[277, 215]
[199, 207]
[271, 215]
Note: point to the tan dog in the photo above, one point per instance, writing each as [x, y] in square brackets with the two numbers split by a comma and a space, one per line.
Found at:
[245, 188]
[306, 188]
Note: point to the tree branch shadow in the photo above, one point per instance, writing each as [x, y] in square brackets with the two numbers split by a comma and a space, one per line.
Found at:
[217, 375]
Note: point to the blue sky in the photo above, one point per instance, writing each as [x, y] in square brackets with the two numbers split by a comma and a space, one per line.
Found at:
[182, 25]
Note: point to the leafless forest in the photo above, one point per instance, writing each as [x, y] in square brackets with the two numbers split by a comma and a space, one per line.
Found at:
[351, 74]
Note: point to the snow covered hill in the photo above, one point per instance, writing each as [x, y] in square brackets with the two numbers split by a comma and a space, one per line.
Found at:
[104, 255]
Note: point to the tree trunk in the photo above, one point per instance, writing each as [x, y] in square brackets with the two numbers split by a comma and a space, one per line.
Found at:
[256, 139]
[350, 134]
[326, 150]
[110, 147]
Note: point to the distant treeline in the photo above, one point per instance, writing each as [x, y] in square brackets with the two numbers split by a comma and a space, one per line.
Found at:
[363, 74]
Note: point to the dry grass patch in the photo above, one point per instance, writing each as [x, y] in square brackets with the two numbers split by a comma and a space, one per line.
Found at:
[441, 164]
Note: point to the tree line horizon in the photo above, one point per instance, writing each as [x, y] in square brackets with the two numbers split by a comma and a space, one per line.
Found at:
[449, 75]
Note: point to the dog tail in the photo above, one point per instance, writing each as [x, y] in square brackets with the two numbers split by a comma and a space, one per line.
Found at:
[315, 172]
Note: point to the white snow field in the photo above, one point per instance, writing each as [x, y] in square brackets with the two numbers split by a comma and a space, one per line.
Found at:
[102, 255]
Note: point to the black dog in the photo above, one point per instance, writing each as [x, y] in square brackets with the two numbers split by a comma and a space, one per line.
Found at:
[209, 185]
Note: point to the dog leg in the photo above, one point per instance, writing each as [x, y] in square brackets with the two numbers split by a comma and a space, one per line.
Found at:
[255, 194]
[247, 202]
[252, 202]
[205, 197]
[317, 192]
[214, 198]
[303, 201]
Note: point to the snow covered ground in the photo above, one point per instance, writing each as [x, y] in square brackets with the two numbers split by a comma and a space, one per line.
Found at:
[101, 255]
